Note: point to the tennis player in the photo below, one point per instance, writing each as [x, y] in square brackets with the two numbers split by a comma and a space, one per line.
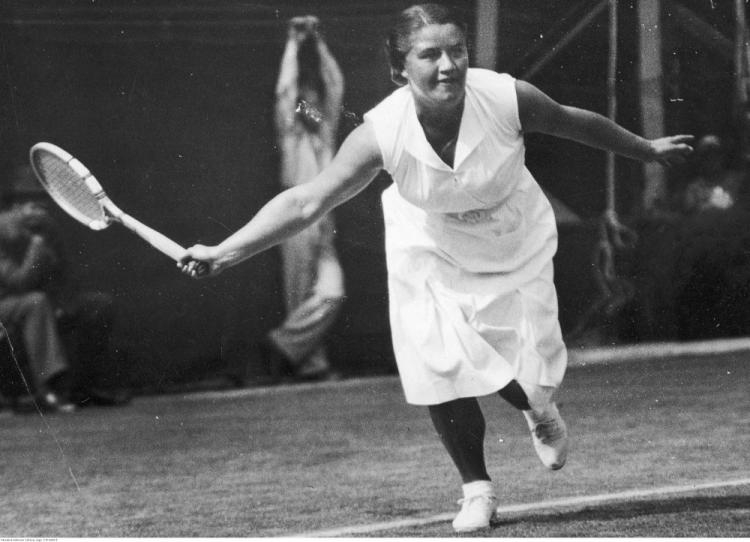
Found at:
[470, 237]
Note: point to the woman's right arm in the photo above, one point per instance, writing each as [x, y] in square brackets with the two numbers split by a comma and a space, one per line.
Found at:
[355, 165]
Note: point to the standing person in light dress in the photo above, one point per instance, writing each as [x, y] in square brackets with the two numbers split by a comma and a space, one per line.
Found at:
[309, 93]
[470, 237]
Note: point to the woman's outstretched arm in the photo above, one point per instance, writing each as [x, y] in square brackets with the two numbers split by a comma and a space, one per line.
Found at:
[352, 169]
[540, 113]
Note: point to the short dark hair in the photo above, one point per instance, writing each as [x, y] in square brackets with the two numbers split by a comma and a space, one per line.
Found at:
[410, 20]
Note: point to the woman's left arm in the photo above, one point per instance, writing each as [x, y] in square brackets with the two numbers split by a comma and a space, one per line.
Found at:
[540, 113]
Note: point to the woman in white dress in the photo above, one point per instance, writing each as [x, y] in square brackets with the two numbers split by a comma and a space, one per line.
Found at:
[469, 237]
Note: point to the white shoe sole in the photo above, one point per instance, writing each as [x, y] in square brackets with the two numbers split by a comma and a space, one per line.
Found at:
[487, 527]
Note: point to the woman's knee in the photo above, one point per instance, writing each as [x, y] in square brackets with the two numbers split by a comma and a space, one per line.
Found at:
[457, 408]
[515, 395]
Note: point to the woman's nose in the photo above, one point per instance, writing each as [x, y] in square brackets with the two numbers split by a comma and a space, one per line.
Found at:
[446, 63]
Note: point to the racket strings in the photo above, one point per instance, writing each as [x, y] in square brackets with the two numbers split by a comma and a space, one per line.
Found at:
[68, 188]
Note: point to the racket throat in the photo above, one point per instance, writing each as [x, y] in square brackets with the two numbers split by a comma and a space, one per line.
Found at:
[112, 213]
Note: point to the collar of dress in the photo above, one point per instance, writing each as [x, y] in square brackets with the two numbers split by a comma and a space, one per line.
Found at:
[470, 134]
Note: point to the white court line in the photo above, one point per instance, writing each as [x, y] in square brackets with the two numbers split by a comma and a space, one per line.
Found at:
[635, 352]
[566, 502]
[278, 389]
[578, 357]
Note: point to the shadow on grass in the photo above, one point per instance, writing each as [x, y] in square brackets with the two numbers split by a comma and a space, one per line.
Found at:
[639, 509]
[717, 516]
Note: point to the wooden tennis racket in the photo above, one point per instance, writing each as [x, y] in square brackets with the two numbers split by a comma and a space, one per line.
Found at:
[77, 191]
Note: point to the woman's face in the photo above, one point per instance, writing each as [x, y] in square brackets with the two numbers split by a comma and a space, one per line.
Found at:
[436, 65]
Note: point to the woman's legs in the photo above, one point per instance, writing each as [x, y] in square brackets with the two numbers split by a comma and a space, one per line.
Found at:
[548, 431]
[460, 424]
[514, 394]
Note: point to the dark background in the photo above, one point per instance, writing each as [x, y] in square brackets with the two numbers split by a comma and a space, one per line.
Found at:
[169, 103]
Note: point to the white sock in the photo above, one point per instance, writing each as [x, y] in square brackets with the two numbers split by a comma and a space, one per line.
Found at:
[538, 396]
[480, 487]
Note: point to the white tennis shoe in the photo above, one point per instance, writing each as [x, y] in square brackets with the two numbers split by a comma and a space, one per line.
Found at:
[478, 508]
[549, 434]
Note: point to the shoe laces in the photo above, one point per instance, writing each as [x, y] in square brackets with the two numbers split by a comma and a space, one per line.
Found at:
[548, 431]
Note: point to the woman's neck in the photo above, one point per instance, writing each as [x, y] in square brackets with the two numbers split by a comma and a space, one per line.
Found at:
[441, 130]
[446, 119]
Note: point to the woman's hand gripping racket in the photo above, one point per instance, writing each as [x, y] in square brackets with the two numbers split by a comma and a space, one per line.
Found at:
[77, 191]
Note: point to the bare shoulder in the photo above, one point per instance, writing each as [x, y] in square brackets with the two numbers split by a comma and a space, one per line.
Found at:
[355, 165]
[536, 110]
[361, 147]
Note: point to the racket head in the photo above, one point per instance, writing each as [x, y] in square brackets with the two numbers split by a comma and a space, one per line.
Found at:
[70, 184]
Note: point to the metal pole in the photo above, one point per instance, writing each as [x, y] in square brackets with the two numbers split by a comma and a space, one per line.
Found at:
[611, 100]
[652, 99]
[740, 41]
[486, 40]
[742, 79]
[709, 37]
[566, 39]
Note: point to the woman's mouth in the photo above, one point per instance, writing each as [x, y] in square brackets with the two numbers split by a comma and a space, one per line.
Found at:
[447, 84]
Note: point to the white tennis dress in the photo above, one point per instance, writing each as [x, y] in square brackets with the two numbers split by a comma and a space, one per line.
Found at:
[469, 251]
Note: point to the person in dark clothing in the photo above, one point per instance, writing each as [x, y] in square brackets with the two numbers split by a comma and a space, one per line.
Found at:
[58, 338]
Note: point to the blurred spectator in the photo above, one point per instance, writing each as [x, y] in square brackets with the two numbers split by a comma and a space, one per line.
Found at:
[711, 277]
[309, 94]
[715, 185]
[60, 337]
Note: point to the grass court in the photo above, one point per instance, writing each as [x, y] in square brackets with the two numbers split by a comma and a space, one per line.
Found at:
[659, 448]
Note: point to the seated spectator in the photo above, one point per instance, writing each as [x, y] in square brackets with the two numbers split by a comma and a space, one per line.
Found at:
[715, 185]
[58, 337]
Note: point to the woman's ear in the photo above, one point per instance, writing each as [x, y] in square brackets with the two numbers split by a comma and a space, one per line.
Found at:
[399, 77]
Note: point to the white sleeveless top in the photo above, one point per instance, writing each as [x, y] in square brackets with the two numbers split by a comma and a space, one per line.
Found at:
[469, 250]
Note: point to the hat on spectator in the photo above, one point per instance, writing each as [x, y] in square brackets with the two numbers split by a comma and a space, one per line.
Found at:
[20, 183]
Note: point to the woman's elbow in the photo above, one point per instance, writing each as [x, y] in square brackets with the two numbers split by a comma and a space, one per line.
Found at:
[312, 210]
[305, 204]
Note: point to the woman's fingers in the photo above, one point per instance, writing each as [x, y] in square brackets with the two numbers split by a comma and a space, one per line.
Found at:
[194, 268]
[683, 138]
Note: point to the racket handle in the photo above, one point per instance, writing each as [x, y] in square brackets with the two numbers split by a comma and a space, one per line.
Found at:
[157, 240]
